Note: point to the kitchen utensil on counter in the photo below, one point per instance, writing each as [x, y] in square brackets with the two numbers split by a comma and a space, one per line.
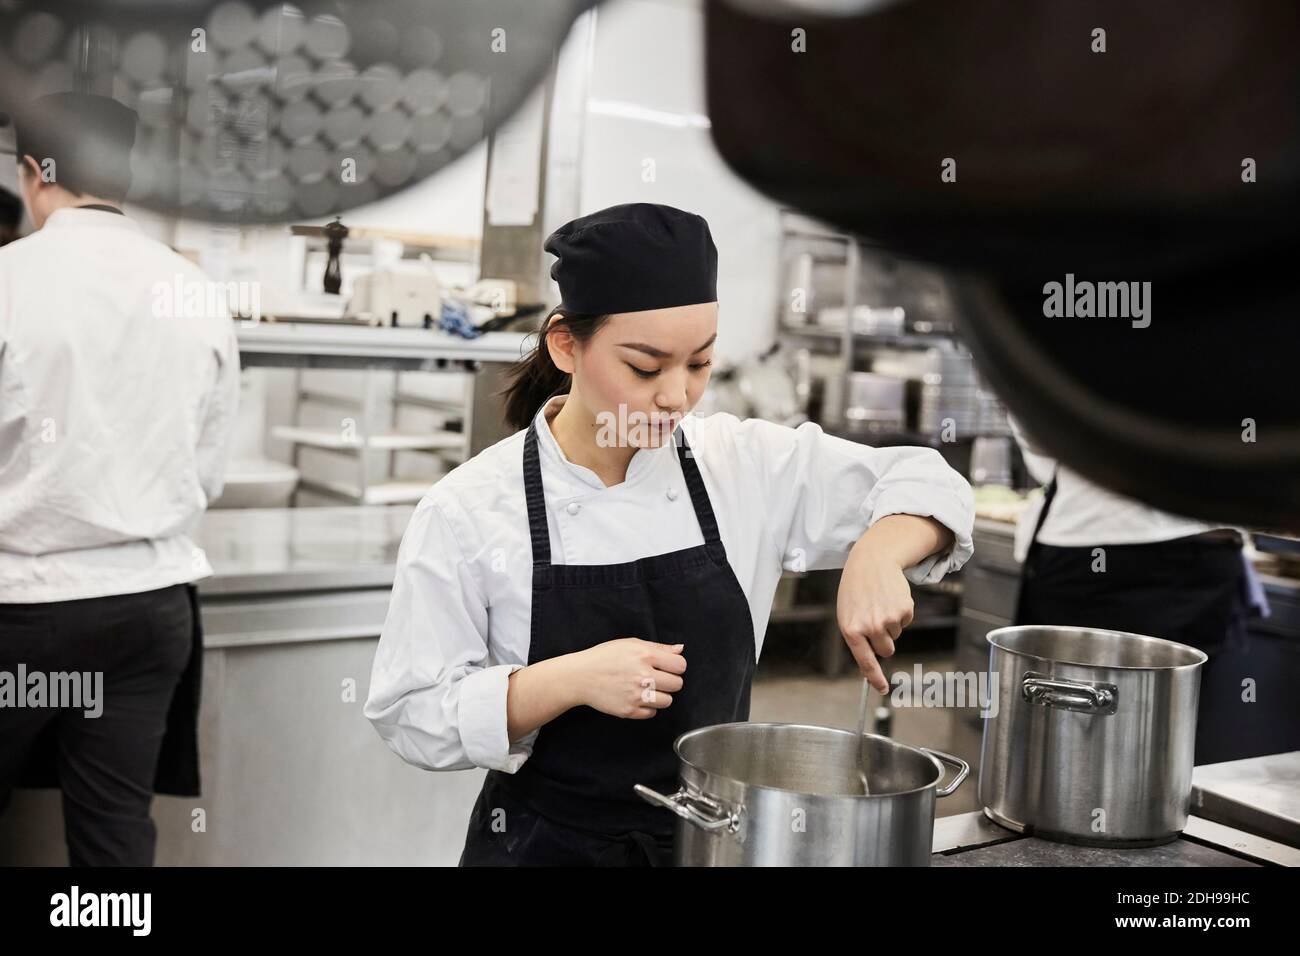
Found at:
[877, 404]
[770, 794]
[949, 392]
[1093, 736]
[863, 752]
[407, 296]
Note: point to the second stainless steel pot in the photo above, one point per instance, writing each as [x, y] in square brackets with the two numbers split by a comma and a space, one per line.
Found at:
[1093, 736]
[790, 795]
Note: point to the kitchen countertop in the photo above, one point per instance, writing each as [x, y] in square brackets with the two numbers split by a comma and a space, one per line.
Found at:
[285, 344]
[972, 839]
[1243, 813]
[301, 549]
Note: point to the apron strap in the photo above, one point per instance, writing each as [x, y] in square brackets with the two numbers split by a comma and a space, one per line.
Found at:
[537, 524]
[695, 484]
[1048, 495]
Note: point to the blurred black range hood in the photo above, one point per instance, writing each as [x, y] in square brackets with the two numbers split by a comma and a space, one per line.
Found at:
[1071, 165]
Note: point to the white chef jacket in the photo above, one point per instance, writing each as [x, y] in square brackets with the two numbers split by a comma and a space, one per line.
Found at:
[458, 622]
[114, 420]
[1084, 514]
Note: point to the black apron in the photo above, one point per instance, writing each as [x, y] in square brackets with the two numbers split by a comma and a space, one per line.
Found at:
[1049, 493]
[572, 802]
[1192, 590]
[178, 760]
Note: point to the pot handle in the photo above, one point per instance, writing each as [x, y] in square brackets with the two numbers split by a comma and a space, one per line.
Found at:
[1070, 694]
[963, 769]
[684, 803]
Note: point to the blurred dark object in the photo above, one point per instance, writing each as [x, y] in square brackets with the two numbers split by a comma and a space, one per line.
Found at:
[11, 214]
[1172, 158]
[525, 318]
[11, 204]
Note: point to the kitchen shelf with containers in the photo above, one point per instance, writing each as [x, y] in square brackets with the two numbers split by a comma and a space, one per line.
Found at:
[378, 321]
[357, 439]
[886, 367]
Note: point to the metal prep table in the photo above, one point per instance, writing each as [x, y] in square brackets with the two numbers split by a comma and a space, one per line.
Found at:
[1260, 795]
[1244, 813]
[972, 839]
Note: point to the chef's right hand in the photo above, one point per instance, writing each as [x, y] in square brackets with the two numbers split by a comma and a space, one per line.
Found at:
[630, 677]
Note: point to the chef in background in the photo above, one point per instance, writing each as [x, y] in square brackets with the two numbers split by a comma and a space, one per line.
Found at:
[1093, 558]
[115, 419]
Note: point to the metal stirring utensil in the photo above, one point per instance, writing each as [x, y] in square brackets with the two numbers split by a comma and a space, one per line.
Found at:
[862, 737]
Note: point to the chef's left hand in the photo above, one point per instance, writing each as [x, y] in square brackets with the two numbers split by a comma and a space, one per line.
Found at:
[875, 599]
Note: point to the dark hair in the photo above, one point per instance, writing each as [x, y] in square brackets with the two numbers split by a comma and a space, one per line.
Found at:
[535, 377]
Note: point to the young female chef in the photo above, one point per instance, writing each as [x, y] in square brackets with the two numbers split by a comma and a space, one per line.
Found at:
[575, 597]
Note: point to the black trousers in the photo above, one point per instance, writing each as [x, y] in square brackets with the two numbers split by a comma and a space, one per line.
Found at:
[141, 644]
[1189, 590]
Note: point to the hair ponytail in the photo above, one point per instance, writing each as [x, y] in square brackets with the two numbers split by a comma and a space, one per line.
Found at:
[536, 377]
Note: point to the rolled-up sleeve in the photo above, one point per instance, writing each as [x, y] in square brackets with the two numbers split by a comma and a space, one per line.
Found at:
[435, 697]
[823, 492]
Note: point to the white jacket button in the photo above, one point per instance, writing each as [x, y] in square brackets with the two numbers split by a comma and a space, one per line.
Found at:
[573, 507]
[672, 494]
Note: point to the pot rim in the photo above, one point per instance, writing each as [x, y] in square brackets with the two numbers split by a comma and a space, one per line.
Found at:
[1016, 628]
[932, 785]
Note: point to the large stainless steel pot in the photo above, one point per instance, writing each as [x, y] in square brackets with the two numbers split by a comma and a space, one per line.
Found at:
[790, 795]
[1093, 735]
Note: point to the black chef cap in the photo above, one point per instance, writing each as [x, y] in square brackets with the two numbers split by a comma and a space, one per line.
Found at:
[634, 257]
[89, 137]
